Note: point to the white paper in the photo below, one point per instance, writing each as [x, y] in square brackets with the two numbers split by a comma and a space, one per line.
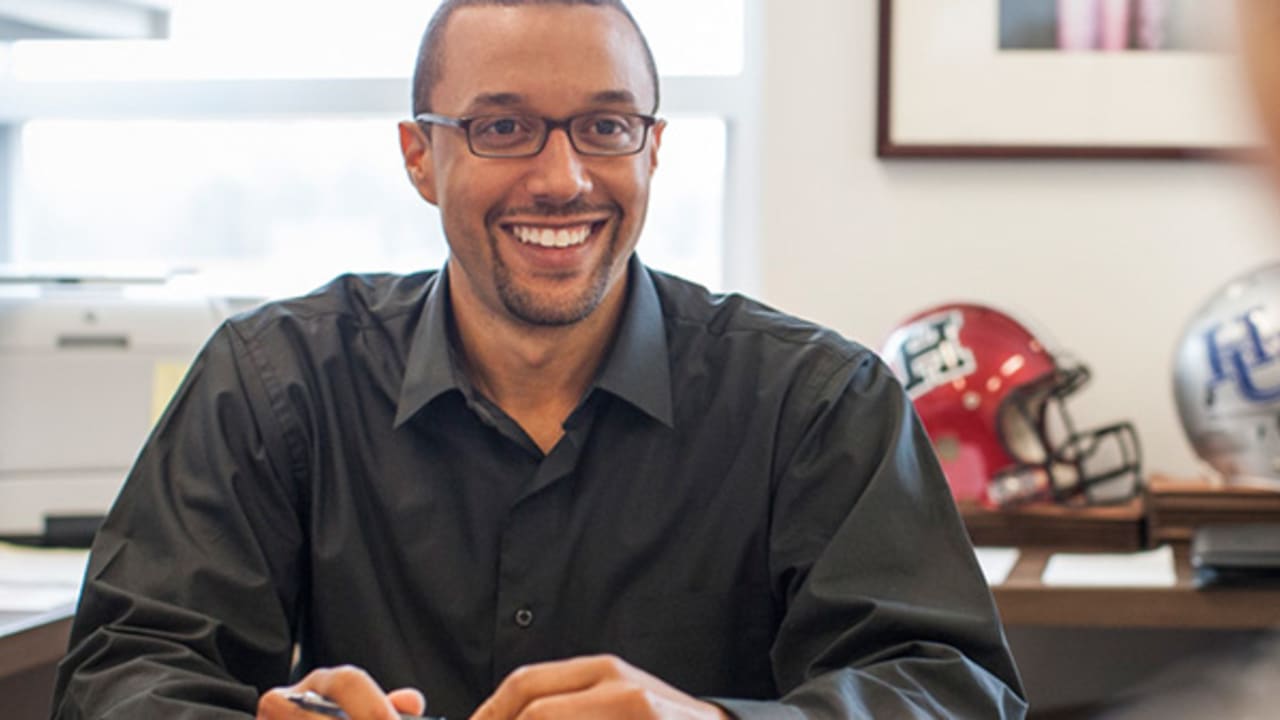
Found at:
[1151, 568]
[996, 562]
[35, 598]
[33, 579]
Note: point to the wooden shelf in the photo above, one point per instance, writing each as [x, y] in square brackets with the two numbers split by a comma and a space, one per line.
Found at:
[1177, 507]
[1105, 527]
[1024, 600]
[30, 639]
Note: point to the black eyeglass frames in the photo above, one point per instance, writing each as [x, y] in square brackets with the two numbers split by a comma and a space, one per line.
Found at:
[516, 135]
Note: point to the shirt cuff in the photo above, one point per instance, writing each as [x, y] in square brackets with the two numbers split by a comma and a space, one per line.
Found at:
[757, 709]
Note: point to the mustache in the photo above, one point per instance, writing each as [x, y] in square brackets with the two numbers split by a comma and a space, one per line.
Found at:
[556, 210]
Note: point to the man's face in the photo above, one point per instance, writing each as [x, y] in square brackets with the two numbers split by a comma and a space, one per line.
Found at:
[540, 240]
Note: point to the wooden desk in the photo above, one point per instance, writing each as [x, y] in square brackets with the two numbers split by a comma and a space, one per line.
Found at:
[31, 644]
[1024, 600]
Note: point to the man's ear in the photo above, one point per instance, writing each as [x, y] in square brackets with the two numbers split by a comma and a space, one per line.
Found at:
[655, 140]
[415, 146]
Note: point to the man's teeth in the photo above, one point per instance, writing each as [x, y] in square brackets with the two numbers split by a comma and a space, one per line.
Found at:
[552, 237]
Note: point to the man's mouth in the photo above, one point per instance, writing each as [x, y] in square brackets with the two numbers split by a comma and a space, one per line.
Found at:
[558, 236]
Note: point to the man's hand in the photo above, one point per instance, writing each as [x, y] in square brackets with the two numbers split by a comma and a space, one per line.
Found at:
[349, 687]
[601, 686]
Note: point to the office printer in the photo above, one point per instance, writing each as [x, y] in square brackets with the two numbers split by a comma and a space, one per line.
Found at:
[86, 366]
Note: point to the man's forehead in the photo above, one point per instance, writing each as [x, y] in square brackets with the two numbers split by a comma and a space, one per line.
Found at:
[502, 100]
[509, 55]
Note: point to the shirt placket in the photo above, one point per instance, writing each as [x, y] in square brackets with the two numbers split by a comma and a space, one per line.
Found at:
[528, 560]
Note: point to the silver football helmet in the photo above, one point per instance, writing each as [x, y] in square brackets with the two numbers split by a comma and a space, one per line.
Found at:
[1226, 379]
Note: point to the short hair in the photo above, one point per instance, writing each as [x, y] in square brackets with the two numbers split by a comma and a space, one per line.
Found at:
[430, 55]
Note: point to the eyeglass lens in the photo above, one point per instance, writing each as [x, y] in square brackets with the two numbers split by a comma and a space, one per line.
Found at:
[597, 133]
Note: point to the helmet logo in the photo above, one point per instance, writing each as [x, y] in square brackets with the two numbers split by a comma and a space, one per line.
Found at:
[1239, 353]
[931, 354]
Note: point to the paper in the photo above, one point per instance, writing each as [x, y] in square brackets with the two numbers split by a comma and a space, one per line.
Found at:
[1152, 568]
[36, 598]
[165, 379]
[996, 562]
[39, 578]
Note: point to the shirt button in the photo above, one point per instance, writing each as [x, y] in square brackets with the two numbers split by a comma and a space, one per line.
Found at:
[524, 617]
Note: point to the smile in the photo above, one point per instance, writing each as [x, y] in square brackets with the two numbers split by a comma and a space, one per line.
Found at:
[553, 237]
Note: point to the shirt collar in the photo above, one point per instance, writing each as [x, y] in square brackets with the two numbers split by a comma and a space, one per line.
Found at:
[637, 368]
[429, 370]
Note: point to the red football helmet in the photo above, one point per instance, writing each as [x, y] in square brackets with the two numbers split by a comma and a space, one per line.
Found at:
[992, 400]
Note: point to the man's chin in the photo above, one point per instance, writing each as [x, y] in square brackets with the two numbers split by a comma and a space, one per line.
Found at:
[542, 313]
[555, 302]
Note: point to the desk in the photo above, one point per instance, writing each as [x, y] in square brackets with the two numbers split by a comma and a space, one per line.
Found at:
[31, 644]
[1081, 649]
[1040, 618]
[1024, 600]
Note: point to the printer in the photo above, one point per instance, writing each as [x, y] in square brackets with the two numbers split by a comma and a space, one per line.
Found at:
[85, 369]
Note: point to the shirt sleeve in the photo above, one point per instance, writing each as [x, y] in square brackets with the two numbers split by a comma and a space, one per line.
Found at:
[887, 613]
[189, 599]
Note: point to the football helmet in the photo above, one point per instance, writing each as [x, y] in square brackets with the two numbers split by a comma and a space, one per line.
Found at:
[992, 398]
[1226, 379]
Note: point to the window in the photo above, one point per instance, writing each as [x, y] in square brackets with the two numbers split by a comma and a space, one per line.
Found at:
[246, 148]
[280, 205]
[378, 38]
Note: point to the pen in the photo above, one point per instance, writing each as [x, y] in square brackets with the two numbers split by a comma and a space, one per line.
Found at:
[319, 704]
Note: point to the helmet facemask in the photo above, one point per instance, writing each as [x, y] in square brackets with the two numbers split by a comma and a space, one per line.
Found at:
[1054, 460]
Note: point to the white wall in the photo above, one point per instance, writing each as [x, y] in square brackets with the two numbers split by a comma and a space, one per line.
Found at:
[1111, 257]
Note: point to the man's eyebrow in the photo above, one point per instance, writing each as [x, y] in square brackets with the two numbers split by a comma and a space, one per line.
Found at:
[502, 99]
[510, 99]
[621, 97]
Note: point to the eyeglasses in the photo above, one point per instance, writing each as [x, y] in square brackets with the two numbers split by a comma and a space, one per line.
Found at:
[515, 135]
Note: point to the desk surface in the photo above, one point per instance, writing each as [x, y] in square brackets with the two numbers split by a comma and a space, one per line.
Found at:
[32, 639]
[1024, 600]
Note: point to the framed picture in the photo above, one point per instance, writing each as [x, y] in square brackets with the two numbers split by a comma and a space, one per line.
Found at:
[1061, 78]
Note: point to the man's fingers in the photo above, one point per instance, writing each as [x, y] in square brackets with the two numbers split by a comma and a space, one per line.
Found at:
[349, 687]
[607, 700]
[532, 682]
[598, 687]
[274, 705]
[409, 701]
[354, 690]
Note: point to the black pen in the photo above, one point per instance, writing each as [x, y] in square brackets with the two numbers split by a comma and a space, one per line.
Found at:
[319, 704]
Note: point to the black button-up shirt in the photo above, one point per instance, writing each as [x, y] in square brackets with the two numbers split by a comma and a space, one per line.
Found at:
[743, 504]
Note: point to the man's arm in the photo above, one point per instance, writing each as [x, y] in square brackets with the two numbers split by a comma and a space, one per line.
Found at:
[887, 613]
[188, 603]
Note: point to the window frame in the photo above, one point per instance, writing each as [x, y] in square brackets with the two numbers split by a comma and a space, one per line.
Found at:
[735, 98]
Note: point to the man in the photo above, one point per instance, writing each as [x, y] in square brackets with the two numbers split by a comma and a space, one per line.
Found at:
[546, 481]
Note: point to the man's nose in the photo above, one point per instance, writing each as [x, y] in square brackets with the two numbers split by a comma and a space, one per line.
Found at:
[558, 174]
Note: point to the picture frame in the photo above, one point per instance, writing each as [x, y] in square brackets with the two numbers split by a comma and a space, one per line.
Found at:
[947, 89]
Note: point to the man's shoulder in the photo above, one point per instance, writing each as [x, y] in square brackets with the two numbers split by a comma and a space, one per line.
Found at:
[695, 313]
[357, 300]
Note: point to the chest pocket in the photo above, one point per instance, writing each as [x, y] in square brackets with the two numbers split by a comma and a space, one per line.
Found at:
[709, 643]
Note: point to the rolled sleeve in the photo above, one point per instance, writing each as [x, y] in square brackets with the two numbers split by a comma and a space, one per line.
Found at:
[887, 613]
[189, 599]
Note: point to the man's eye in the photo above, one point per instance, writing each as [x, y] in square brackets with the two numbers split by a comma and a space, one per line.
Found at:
[603, 126]
[502, 126]
[606, 126]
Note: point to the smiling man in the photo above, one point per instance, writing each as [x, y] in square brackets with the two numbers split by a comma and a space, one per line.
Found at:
[545, 481]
